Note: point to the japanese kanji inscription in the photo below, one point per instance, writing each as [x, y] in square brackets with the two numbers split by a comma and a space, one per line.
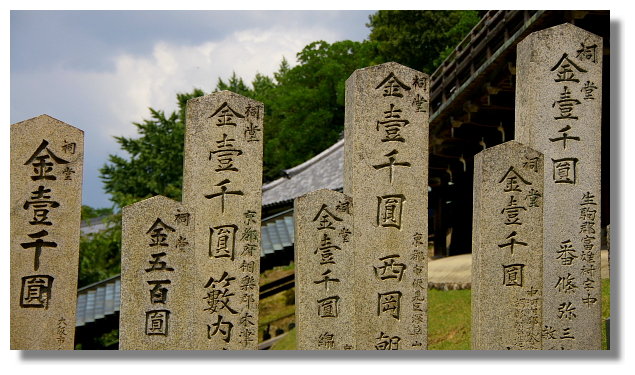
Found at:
[558, 112]
[507, 249]
[156, 276]
[46, 180]
[325, 271]
[222, 182]
[386, 132]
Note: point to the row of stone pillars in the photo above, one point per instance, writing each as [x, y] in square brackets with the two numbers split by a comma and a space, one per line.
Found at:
[190, 269]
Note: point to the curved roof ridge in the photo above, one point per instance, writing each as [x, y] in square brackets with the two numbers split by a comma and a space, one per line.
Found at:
[323, 171]
[273, 183]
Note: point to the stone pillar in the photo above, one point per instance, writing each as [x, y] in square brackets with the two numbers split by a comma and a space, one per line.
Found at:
[558, 110]
[324, 276]
[385, 173]
[46, 197]
[157, 262]
[222, 183]
[507, 248]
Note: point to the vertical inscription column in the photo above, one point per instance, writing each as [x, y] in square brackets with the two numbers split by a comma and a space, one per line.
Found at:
[385, 173]
[325, 304]
[558, 109]
[46, 180]
[156, 268]
[222, 183]
[507, 248]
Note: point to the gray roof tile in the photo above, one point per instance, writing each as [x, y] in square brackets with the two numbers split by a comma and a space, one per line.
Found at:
[101, 299]
[324, 171]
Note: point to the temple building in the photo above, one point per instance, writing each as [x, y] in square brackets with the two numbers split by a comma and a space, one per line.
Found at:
[472, 97]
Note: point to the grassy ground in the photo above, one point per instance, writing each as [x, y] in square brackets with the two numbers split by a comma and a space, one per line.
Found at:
[449, 320]
[606, 308]
[277, 312]
[287, 342]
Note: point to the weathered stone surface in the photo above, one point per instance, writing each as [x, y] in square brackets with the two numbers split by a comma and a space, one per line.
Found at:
[558, 109]
[324, 276]
[385, 173]
[46, 179]
[222, 182]
[157, 264]
[507, 248]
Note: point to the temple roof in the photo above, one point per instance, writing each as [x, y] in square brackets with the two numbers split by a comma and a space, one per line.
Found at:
[323, 171]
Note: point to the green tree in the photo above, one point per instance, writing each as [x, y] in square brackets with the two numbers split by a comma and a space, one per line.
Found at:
[304, 104]
[89, 212]
[306, 107]
[263, 87]
[99, 252]
[155, 163]
[234, 84]
[420, 39]
[154, 166]
[304, 114]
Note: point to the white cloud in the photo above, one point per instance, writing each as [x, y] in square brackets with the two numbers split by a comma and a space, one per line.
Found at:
[109, 101]
[153, 81]
[105, 103]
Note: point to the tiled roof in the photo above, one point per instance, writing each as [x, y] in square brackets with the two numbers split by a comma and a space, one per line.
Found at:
[277, 232]
[101, 299]
[98, 300]
[93, 225]
[324, 171]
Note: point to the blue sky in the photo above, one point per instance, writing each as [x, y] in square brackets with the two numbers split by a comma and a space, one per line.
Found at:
[100, 71]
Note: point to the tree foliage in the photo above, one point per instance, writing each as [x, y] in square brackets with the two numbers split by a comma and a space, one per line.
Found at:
[305, 109]
[234, 84]
[304, 104]
[92, 213]
[99, 253]
[420, 39]
[154, 166]
[304, 114]
[155, 163]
